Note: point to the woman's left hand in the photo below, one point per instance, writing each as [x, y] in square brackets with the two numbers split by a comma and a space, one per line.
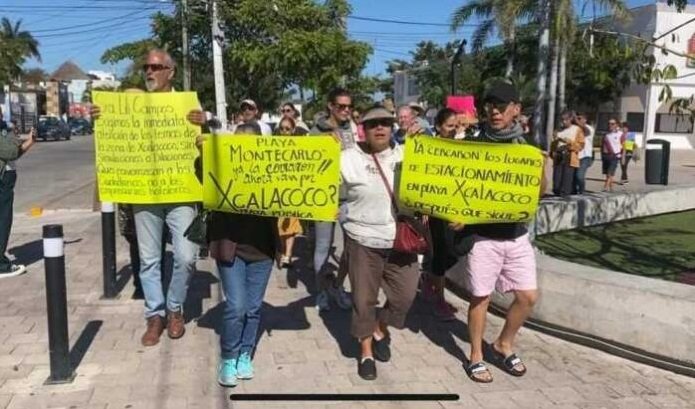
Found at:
[200, 140]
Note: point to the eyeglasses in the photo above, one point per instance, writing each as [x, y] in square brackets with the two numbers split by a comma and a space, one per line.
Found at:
[155, 67]
[287, 110]
[246, 107]
[373, 123]
[500, 106]
[342, 107]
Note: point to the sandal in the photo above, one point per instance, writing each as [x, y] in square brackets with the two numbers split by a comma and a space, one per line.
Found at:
[509, 363]
[475, 370]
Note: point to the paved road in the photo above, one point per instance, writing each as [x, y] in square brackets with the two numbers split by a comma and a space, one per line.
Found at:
[56, 175]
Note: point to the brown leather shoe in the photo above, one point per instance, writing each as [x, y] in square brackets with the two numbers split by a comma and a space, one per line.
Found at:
[155, 327]
[175, 324]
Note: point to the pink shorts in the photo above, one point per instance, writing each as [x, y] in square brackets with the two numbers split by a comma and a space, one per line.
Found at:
[505, 265]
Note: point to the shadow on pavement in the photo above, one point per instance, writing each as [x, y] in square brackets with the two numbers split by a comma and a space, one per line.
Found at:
[198, 290]
[81, 346]
[32, 252]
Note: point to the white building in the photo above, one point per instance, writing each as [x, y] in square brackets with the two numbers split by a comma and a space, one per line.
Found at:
[639, 104]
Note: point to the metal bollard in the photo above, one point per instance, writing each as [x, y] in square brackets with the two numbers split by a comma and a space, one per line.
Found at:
[108, 249]
[56, 305]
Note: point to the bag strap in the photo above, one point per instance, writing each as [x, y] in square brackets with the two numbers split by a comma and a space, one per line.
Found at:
[386, 183]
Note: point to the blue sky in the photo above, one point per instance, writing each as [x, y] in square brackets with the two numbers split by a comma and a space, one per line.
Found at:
[81, 30]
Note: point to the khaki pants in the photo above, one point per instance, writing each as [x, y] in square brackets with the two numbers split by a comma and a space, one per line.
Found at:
[370, 269]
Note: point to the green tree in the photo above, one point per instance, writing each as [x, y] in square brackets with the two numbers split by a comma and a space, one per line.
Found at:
[16, 46]
[34, 75]
[496, 15]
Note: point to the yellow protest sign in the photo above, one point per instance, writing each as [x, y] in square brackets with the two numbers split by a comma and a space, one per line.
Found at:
[145, 147]
[282, 176]
[471, 182]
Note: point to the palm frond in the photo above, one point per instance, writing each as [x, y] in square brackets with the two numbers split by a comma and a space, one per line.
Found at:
[478, 8]
[481, 34]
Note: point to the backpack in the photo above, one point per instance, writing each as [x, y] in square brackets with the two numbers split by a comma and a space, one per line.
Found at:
[9, 149]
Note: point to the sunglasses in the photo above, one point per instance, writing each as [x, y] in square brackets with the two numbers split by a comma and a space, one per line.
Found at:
[287, 110]
[500, 106]
[342, 107]
[248, 108]
[386, 123]
[155, 67]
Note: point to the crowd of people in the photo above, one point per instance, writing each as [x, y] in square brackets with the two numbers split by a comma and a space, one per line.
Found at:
[245, 247]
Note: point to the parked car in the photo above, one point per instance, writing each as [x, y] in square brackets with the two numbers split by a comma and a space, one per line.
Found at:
[51, 127]
[80, 126]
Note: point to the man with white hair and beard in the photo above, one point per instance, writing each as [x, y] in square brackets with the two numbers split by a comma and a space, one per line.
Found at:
[150, 221]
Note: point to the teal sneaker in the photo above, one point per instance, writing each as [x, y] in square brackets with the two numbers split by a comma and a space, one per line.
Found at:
[227, 373]
[244, 368]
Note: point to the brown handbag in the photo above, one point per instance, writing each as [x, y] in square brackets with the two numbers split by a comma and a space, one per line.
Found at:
[411, 233]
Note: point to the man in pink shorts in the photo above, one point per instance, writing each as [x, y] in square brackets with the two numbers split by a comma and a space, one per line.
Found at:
[502, 257]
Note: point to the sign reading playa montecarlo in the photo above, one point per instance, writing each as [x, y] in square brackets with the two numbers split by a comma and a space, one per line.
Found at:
[471, 182]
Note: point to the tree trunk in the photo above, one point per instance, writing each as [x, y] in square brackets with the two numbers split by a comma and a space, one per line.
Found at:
[562, 86]
[541, 76]
[510, 48]
[552, 94]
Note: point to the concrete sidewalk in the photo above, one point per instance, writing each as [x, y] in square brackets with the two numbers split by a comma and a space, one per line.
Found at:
[299, 351]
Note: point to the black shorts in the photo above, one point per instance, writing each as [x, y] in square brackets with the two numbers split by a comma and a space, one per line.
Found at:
[610, 164]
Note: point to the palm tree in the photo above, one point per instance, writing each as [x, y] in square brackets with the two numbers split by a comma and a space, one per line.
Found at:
[16, 46]
[496, 15]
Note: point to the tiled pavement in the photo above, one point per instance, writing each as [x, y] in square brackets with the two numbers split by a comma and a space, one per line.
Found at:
[299, 351]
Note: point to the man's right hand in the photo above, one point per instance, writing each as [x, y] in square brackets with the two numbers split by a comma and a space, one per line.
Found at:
[95, 111]
[196, 117]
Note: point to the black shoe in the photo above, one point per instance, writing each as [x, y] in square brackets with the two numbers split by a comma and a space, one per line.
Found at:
[382, 349]
[366, 369]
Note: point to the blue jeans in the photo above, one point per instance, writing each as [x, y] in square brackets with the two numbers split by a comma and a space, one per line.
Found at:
[324, 242]
[244, 285]
[580, 175]
[149, 225]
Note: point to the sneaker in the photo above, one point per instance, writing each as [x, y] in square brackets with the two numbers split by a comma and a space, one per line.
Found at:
[366, 369]
[382, 349]
[341, 297]
[323, 302]
[227, 373]
[625, 182]
[443, 311]
[244, 367]
[285, 262]
[14, 271]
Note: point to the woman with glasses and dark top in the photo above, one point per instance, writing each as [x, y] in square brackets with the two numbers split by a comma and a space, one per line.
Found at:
[288, 227]
[337, 122]
[566, 146]
[288, 110]
[368, 172]
[612, 151]
[446, 125]
[244, 247]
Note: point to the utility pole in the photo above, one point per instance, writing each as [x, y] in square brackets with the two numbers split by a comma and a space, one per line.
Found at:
[543, 47]
[184, 46]
[454, 62]
[217, 41]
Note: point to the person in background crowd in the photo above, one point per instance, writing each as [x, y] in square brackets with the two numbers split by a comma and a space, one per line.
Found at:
[566, 146]
[338, 123]
[288, 110]
[502, 256]
[445, 124]
[408, 125]
[586, 155]
[628, 149]
[612, 151]
[368, 174]
[525, 122]
[243, 247]
[150, 219]
[357, 120]
[8, 179]
[419, 113]
[288, 227]
[250, 113]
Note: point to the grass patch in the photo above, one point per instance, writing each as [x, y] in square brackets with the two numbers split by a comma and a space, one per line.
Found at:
[660, 247]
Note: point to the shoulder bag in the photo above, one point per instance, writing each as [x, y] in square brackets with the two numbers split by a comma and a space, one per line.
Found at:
[411, 233]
